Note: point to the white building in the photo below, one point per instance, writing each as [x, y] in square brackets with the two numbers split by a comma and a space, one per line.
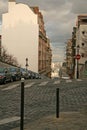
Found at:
[20, 34]
[81, 40]
[55, 69]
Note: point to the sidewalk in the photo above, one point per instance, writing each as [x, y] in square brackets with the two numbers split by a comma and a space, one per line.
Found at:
[66, 121]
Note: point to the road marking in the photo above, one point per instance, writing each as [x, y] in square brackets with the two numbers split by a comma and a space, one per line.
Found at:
[29, 85]
[8, 120]
[68, 81]
[10, 87]
[57, 82]
[43, 83]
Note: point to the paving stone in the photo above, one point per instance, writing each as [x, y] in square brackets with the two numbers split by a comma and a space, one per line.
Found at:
[40, 105]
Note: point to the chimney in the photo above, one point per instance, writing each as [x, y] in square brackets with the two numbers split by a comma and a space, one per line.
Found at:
[11, 4]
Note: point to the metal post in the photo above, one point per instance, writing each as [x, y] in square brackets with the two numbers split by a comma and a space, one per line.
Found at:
[22, 105]
[78, 62]
[57, 102]
[77, 69]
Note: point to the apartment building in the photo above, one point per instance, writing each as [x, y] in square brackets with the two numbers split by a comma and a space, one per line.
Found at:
[76, 49]
[20, 34]
[44, 48]
[81, 42]
[0, 45]
[24, 36]
[69, 58]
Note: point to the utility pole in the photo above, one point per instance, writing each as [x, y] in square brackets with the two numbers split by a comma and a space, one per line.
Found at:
[77, 61]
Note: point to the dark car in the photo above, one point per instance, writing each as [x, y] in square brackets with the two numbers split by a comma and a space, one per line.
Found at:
[16, 74]
[29, 74]
[33, 75]
[24, 73]
[5, 75]
[37, 76]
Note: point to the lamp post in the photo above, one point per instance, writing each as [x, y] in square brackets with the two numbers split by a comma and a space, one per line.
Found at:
[26, 63]
[78, 57]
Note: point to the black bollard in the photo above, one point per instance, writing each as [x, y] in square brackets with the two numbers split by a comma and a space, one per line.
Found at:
[57, 103]
[22, 105]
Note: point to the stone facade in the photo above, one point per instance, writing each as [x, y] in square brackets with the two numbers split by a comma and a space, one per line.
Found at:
[81, 40]
[78, 46]
[69, 58]
[0, 45]
[45, 52]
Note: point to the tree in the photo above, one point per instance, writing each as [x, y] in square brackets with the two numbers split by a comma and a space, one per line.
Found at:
[8, 58]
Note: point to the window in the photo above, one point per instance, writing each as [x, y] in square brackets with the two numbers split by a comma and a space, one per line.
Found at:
[83, 32]
[82, 44]
[82, 54]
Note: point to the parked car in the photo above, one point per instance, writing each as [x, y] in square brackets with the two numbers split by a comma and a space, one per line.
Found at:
[24, 73]
[65, 76]
[37, 76]
[32, 75]
[16, 74]
[5, 75]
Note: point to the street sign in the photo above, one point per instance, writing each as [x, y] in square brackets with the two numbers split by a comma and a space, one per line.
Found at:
[78, 57]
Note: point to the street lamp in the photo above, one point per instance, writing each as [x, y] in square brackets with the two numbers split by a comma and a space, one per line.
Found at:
[78, 57]
[26, 63]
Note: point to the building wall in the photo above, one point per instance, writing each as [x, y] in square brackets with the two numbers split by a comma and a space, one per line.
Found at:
[81, 40]
[83, 43]
[74, 51]
[0, 45]
[44, 49]
[20, 34]
[69, 58]
[48, 58]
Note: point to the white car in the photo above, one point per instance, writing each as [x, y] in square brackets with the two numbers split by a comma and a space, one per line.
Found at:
[65, 77]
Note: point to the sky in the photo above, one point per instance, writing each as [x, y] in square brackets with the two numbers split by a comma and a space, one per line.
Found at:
[59, 18]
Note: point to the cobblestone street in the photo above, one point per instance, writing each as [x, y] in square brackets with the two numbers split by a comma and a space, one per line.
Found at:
[40, 105]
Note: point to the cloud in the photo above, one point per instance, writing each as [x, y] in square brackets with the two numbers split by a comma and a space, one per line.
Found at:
[3, 8]
[44, 4]
[79, 6]
[58, 53]
[59, 25]
[59, 18]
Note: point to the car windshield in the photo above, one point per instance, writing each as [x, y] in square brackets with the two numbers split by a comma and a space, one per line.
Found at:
[1, 70]
[23, 70]
[12, 69]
